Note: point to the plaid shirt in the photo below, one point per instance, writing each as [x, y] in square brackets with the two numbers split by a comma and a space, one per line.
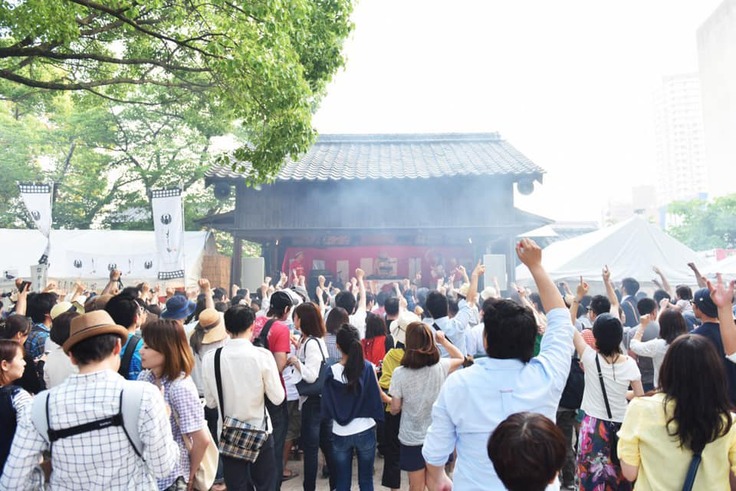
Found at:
[36, 342]
[182, 396]
[102, 459]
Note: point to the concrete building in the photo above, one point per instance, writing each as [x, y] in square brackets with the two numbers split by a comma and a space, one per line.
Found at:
[717, 68]
[678, 125]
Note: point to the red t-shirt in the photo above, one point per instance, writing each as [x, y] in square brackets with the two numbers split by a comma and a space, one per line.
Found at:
[374, 349]
[278, 338]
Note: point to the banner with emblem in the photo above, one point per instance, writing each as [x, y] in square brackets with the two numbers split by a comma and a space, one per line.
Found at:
[37, 199]
[168, 226]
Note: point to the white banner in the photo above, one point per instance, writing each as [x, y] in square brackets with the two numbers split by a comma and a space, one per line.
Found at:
[98, 266]
[39, 277]
[37, 198]
[168, 225]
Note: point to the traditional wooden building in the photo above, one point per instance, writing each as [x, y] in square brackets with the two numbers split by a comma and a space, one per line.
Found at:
[393, 204]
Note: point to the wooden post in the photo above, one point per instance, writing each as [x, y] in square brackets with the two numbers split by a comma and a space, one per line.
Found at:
[236, 264]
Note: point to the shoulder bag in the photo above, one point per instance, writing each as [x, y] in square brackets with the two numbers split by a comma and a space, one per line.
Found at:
[315, 388]
[238, 439]
[613, 433]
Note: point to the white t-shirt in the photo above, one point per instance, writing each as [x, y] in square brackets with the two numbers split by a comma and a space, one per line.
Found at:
[616, 377]
[358, 320]
[654, 349]
[357, 425]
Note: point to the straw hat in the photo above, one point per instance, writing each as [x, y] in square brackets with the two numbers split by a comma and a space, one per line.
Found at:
[210, 321]
[93, 324]
[398, 327]
[63, 307]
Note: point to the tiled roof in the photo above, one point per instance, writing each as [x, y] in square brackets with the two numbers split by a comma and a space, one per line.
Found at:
[401, 156]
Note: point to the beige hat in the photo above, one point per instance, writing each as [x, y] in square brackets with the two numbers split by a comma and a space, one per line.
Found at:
[63, 307]
[463, 290]
[488, 292]
[93, 324]
[398, 327]
[210, 321]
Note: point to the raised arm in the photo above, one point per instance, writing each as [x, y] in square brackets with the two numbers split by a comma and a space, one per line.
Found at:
[722, 296]
[665, 284]
[582, 290]
[204, 287]
[611, 292]
[702, 282]
[473, 290]
[531, 255]
[360, 274]
[22, 303]
[112, 284]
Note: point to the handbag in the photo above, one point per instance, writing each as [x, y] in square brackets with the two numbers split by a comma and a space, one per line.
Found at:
[315, 388]
[613, 434]
[238, 439]
[207, 470]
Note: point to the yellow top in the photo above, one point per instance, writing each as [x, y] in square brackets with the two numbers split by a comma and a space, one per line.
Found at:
[644, 442]
[390, 362]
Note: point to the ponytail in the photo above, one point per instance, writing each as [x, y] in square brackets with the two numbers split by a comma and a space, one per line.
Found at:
[348, 340]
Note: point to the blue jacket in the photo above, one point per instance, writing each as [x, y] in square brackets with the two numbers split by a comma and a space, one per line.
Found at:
[344, 405]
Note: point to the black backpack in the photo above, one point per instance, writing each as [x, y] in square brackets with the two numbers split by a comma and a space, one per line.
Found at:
[572, 396]
[262, 340]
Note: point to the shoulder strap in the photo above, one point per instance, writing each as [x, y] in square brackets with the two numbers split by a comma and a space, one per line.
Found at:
[388, 343]
[603, 386]
[131, 400]
[263, 336]
[437, 328]
[692, 472]
[324, 360]
[128, 355]
[633, 309]
[218, 381]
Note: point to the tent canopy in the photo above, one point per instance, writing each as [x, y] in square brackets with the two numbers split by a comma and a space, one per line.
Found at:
[88, 254]
[726, 267]
[630, 249]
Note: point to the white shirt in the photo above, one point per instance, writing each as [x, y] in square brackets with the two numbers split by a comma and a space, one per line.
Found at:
[58, 366]
[654, 349]
[101, 459]
[358, 320]
[616, 378]
[249, 375]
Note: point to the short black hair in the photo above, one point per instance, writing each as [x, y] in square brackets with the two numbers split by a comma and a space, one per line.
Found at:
[510, 330]
[452, 307]
[218, 293]
[646, 306]
[60, 327]
[600, 304]
[221, 306]
[131, 291]
[93, 349]
[608, 333]
[631, 285]
[239, 318]
[391, 306]
[684, 292]
[347, 301]
[436, 304]
[123, 309]
[39, 305]
[660, 295]
[381, 298]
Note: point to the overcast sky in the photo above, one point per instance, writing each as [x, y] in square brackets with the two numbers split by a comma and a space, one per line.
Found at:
[569, 83]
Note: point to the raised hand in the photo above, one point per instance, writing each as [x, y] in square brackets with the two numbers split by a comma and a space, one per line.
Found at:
[721, 293]
[582, 289]
[529, 253]
[359, 274]
[606, 274]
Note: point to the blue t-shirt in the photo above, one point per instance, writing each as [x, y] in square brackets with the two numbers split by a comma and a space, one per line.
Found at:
[135, 362]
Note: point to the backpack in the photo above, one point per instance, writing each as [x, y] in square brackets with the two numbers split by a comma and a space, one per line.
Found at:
[131, 398]
[572, 395]
[262, 340]
[9, 420]
[127, 356]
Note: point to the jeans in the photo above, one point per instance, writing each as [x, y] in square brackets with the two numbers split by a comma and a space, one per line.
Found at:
[316, 434]
[364, 444]
[259, 475]
[211, 415]
[280, 421]
[567, 423]
[391, 477]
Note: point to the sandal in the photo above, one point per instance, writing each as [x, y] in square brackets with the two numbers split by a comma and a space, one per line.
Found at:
[291, 475]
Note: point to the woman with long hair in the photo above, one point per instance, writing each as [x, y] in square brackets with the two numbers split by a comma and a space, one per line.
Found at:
[688, 421]
[316, 431]
[608, 374]
[352, 399]
[414, 389]
[374, 344]
[13, 399]
[17, 328]
[671, 325]
[167, 361]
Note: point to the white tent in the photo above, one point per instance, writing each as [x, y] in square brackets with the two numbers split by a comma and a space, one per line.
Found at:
[88, 254]
[726, 267]
[630, 248]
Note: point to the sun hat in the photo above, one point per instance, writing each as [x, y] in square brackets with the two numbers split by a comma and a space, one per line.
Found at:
[488, 292]
[398, 327]
[63, 307]
[178, 307]
[93, 324]
[462, 291]
[210, 321]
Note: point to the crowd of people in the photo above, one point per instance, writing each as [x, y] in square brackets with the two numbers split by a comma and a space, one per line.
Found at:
[150, 388]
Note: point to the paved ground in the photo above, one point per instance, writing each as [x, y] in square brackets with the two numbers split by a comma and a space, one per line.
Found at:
[322, 484]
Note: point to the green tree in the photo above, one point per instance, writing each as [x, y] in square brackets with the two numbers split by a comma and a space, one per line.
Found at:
[705, 225]
[263, 63]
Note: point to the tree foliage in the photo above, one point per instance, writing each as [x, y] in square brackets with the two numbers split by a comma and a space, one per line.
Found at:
[705, 225]
[264, 63]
